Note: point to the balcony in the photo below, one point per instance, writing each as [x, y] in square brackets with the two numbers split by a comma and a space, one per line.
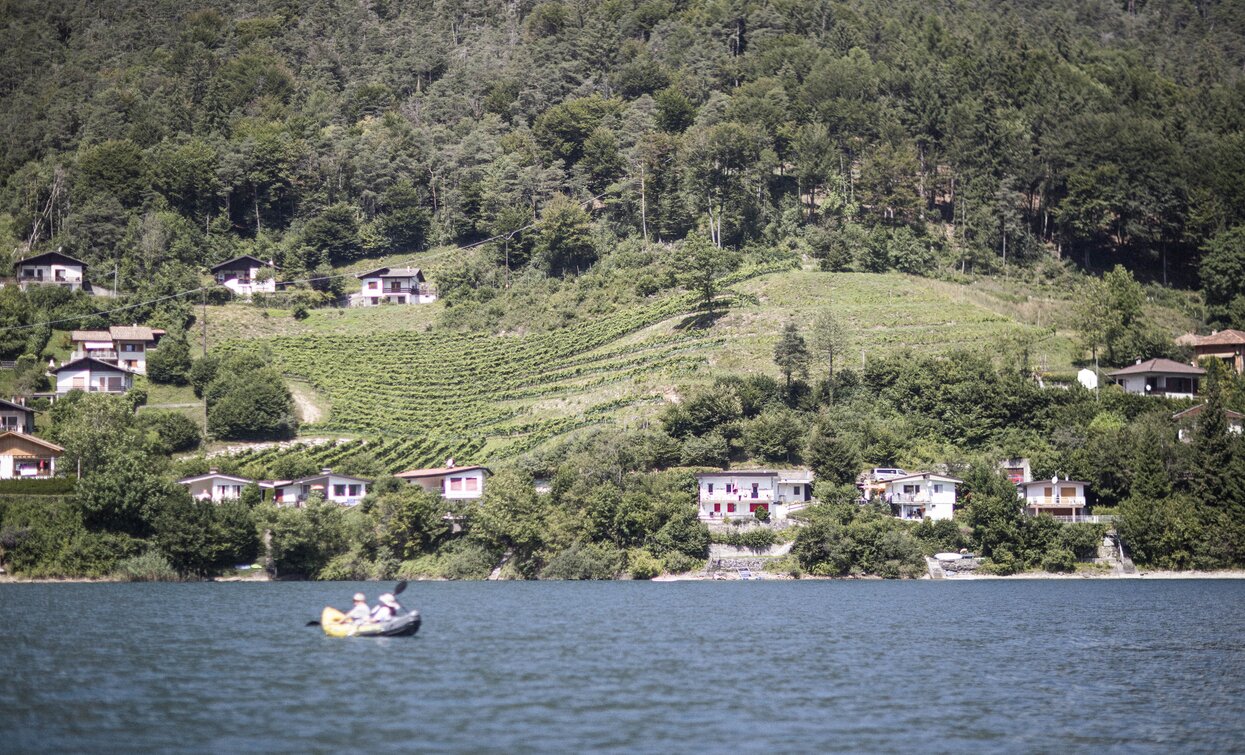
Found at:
[104, 355]
[1061, 502]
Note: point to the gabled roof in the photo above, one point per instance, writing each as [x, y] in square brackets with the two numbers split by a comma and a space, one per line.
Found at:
[32, 439]
[393, 272]
[51, 257]
[93, 362]
[415, 474]
[1193, 411]
[134, 333]
[90, 335]
[214, 475]
[13, 405]
[755, 473]
[925, 476]
[1222, 338]
[1048, 482]
[1159, 366]
[244, 258]
[325, 476]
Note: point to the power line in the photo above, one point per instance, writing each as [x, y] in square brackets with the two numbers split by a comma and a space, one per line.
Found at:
[204, 289]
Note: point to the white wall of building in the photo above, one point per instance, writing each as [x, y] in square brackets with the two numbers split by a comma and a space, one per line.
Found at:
[92, 379]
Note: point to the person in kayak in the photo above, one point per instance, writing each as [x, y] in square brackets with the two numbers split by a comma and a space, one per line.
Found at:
[387, 608]
[359, 612]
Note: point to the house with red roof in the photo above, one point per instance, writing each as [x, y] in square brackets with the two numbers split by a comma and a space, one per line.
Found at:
[123, 345]
[1186, 421]
[1228, 345]
[1159, 377]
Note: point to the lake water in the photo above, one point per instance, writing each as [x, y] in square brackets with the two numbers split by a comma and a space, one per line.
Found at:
[985, 666]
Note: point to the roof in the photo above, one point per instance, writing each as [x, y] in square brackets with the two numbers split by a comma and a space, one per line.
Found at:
[98, 363]
[37, 441]
[14, 405]
[244, 258]
[1048, 482]
[925, 476]
[134, 333]
[325, 476]
[90, 335]
[415, 474]
[1221, 338]
[1159, 366]
[393, 272]
[754, 472]
[214, 475]
[51, 257]
[1193, 411]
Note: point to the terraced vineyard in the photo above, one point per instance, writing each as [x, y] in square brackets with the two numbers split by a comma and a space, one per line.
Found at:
[420, 397]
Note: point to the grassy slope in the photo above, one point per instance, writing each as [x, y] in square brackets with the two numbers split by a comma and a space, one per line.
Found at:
[388, 372]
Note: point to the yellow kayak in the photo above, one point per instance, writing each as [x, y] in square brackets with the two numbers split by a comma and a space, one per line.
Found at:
[335, 624]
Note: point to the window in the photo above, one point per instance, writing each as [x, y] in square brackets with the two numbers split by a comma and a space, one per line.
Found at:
[730, 487]
[710, 490]
[1068, 492]
[752, 508]
[456, 484]
[354, 491]
[339, 491]
[717, 507]
[730, 508]
[756, 489]
[471, 484]
[373, 285]
[938, 487]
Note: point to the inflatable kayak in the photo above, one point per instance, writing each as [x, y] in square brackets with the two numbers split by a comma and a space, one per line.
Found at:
[335, 624]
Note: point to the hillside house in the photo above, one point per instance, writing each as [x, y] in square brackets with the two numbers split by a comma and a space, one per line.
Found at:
[336, 488]
[1017, 470]
[16, 418]
[23, 456]
[1159, 377]
[1228, 345]
[921, 495]
[51, 269]
[123, 345]
[872, 482]
[1186, 421]
[449, 482]
[393, 285]
[93, 376]
[215, 487]
[241, 275]
[1062, 499]
[735, 494]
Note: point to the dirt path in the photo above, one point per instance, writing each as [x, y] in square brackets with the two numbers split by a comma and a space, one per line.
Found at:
[309, 411]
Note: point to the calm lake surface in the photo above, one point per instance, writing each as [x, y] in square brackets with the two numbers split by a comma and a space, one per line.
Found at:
[807, 666]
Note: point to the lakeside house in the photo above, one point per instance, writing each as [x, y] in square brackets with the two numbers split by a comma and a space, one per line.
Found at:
[214, 486]
[393, 285]
[16, 418]
[23, 456]
[735, 494]
[450, 482]
[242, 275]
[923, 494]
[123, 345]
[336, 488]
[1227, 345]
[1159, 377]
[91, 375]
[1062, 499]
[1186, 421]
[51, 269]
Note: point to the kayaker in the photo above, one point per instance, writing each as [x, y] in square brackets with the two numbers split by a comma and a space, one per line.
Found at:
[359, 612]
[387, 608]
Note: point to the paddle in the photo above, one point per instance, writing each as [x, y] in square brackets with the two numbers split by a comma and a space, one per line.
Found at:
[398, 589]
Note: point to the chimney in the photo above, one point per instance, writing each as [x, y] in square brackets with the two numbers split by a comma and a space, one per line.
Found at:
[326, 470]
[449, 463]
[1138, 360]
[213, 470]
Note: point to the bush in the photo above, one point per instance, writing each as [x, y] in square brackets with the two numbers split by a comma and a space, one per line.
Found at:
[676, 562]
[584, 561]
[459, 559]
[177, 432]
[149, 567]
[1059, 560]
[53, 486]
[643, 565]
[169, 364]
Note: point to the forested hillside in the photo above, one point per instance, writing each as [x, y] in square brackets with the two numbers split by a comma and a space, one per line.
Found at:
[970, 135]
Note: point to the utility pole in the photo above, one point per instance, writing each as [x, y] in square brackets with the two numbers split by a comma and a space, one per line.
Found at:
[205, 340]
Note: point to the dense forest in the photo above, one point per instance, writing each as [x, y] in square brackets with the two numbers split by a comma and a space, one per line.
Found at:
[965, 135]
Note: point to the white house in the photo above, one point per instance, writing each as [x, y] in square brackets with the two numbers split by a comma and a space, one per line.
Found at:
[123, 345]
[50, 268]
[215, 487]
[921, 495]
[92, 375]
[735, 494]
[393, 285]
[1062, 499]
[26, 457]
[241, 275]
[1186, 421]
[336, 488]
[1017, 470]
[1159, 377]
[450, 482]
[15, 418]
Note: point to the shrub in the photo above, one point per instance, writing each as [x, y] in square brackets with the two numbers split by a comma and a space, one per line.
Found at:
[177, 432]
[1059, 560]
[53, 486]
[169, 364]
[149, 567]
[676, 562]
[643, 565]
[584, 561]
[299, 312]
